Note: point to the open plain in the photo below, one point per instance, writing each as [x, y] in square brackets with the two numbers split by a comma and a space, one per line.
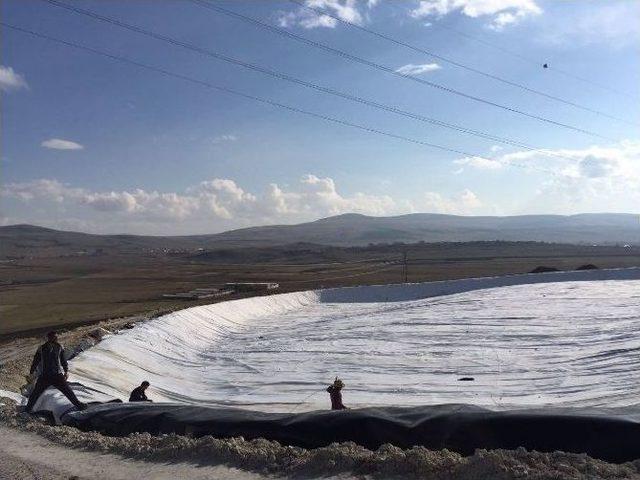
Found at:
[45, 290]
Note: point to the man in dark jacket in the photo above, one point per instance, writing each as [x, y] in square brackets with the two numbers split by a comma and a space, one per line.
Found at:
[138, 394]
[51, 367]
[335, 393]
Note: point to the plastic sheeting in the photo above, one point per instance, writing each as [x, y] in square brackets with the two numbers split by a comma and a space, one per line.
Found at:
[569, 343]
[53, 403]
[612, 435]
[414, 291]
[16, 397]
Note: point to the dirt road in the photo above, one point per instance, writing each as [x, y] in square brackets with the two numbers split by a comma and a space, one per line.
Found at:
[27, 456]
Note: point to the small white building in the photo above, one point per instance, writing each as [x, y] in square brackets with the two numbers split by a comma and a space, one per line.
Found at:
[252, 286]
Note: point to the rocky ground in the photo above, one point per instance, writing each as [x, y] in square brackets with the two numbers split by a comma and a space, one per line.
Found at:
[30, 456]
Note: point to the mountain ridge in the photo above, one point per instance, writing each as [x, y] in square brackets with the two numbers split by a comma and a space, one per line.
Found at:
[344, 230]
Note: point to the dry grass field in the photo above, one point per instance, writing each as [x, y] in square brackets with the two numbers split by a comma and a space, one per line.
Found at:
[39, 293]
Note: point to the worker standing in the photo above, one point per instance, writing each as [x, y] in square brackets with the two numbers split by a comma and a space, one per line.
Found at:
[51, 366]
[335, 393]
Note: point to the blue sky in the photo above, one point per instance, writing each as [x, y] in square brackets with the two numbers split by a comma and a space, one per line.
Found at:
[96, 145]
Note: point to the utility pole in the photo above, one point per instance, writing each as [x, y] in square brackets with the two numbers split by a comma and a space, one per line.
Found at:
[404, 266]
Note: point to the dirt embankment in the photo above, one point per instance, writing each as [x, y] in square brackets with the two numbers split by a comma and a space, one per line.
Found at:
[266, 457]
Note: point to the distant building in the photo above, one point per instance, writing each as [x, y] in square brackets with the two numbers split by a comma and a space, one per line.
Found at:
[187, 295]
[205, 291]
[199, 293]
[228, 289]
[251, 286]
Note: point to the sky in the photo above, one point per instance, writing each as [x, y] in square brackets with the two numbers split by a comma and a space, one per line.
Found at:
[96, 144]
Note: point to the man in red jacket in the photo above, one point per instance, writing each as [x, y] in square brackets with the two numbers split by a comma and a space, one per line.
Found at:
[335, 393]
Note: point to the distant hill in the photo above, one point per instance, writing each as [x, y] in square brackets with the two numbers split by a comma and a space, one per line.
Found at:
[341, 230]
[355, 229]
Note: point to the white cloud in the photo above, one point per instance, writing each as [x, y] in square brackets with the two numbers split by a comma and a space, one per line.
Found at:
[110, 201]
[219, 198]
[617, 160]
[596, 179]
[42, 189]
[480, 163]
[224, 139]
[347, 10]
[597, 167]
[321, 193]
[464, 203]
[10, 80]
[502, 20]
[611, 23]
[621, 160]
[411, 69]
[501, 12]
[59, 144]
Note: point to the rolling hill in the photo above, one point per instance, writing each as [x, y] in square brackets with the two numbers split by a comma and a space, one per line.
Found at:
[18, 241]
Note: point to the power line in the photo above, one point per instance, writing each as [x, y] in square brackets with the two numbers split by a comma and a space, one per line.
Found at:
[370, 103]
[405, 269]
[320, 11]
[256, 98]
[266, 101]
[289, 78]
[354, 58]
[534, 62]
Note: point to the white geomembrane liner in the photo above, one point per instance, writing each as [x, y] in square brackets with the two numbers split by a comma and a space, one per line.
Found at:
[562, 339]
